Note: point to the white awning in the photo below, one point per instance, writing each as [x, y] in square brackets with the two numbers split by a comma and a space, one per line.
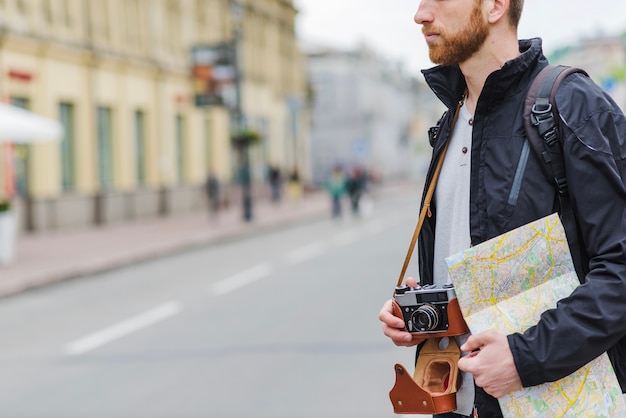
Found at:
[22, 126]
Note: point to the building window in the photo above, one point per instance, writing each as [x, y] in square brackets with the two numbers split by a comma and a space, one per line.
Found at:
[133, 25]
[68, 171]
[201, 17]
[101, 20]
[67, 14]
[180, 148]
[105, 147]
[140, 146]
[21, 7]
[20, 102]
[174, 25]
[47, 11]
[21, 154]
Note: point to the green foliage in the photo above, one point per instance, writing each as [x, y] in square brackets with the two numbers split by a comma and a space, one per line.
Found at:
[5, 205]
[558, 55]
[618, 73]
[246, 137]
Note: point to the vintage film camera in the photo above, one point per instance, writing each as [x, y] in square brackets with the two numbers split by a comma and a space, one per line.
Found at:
[430, 312]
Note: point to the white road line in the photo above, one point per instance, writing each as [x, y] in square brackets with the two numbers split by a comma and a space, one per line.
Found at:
[306, 253]
[346, 238]
[123, 328]
[241, 279]
[374, 228]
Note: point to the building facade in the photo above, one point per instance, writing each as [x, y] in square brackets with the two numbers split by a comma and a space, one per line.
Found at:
[604, 59]
[117, 75]
[367, 112]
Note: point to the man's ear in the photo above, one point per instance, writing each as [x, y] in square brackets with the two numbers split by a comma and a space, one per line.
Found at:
[496, 9]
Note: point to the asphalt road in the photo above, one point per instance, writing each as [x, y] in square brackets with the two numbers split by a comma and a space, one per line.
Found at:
[278, 325]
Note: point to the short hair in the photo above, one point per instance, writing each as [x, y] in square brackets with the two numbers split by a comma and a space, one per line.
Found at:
[515, 12]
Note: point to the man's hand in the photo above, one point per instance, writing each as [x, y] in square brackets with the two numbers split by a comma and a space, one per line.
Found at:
[492, 367]
[393, 327]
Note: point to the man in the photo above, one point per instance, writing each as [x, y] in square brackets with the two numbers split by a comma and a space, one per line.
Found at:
[487, 187]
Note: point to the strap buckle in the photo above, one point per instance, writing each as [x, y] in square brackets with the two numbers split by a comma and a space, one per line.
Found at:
[542, 117]
[561, 185]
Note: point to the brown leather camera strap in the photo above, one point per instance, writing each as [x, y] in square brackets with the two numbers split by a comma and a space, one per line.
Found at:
[429, 195]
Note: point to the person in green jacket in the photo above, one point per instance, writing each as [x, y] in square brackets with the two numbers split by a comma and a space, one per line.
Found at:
[336, 187]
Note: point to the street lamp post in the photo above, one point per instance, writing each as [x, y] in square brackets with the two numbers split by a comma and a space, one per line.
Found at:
[237, 11]
[294, 104]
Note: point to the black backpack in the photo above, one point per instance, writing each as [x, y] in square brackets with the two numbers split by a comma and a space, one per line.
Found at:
[541, 122]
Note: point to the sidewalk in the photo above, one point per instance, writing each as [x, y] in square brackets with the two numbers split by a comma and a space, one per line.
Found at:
[51, 257]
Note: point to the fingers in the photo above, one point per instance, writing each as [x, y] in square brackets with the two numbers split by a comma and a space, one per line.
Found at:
[476, 341]
[393, 327]
[387, 317]
[473, 344]
[467, 364]
[492, 366]
[411, 282]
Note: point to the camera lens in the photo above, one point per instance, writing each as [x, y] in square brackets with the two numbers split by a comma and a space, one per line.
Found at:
[426, 318]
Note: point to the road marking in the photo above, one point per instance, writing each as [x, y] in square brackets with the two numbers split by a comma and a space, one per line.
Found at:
[306, 253]
[123, 328]
[241, 279]
[346, 237]
[374, 228]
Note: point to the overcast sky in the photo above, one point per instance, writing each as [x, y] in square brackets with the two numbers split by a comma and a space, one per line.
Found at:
[388, 27]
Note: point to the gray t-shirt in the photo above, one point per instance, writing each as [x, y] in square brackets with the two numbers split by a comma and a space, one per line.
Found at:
[452, 194]
[452, 233]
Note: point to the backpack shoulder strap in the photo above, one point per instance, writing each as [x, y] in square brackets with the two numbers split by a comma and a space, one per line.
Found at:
[541, 122]
[542, 130]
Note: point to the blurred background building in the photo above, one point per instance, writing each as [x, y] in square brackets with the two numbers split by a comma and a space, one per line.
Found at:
[151, 94]
[604, 58]
[143, 125]
[367, 112]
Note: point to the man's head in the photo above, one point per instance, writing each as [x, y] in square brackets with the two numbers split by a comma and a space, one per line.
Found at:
[455, 30]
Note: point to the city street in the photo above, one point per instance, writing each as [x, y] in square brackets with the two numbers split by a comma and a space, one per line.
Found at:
[280, 324]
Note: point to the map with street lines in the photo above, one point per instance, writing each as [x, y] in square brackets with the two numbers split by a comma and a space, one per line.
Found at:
[505, 284]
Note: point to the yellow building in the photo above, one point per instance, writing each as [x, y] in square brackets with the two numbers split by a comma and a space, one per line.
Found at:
[117, 75]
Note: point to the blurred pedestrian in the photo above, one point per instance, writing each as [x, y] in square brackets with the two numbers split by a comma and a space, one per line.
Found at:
[212, 189]
[294, 187]
[336, 187]
[356, 188]
[275, 182]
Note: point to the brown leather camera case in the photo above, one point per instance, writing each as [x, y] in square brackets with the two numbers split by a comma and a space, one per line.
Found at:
[433, 387]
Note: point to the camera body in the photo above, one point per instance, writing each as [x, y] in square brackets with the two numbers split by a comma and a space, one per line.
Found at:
[429, 311]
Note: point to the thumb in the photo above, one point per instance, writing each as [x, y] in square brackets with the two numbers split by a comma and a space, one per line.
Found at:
[476, 341]
[410, 281]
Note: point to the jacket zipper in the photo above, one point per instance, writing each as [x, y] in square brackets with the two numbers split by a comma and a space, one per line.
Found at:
[519, 174]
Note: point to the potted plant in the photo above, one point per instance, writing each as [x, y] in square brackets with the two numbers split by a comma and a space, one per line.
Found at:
[246, 137]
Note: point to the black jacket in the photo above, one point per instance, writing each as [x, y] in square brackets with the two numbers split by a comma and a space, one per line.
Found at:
[593, 130]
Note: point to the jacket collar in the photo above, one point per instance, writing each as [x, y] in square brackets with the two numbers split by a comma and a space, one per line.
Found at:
[448, 83]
